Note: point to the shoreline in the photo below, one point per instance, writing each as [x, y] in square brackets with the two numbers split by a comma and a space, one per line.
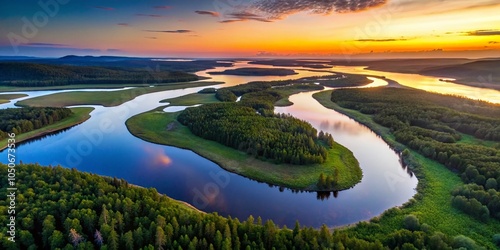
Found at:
[81, 118]
[182, 202]
[241, 171]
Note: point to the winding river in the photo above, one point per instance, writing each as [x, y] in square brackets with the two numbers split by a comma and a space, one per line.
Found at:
[183, 175]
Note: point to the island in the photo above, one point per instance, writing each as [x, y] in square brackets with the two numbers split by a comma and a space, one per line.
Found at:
[249, 139]
[255, 72]
[29, 123]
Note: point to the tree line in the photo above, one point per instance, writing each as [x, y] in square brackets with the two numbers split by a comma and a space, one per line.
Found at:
[278, 137]
[22, 120]
[252, 126]
[40, 75]
[434, 125]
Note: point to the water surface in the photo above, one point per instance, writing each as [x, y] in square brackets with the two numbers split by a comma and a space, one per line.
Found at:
[103, 145]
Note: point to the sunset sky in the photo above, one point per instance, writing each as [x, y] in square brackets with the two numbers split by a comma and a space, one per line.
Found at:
[249, 28]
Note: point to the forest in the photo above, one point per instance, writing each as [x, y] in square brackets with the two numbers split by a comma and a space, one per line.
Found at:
[59, 208]
[434, 125]
[22, 120]
[23, 74]
[276, 137]
[252, 126]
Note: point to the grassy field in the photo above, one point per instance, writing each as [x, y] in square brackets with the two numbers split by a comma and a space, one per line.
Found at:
[191, 99]
[80, 115]
[469, 139]
[152, 126]
[432, 204]
[5, 98]
[104, 98]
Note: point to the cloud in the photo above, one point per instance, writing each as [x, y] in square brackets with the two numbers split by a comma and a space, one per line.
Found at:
[276, 9]
[170, 31]
[206, 12]
[148, 15]
[484, 33]
[164, 7]
[104, 8]
[231, 20]
[382, 40]
[244, 16]
[45, 45]
[151, 37]
[123, 24]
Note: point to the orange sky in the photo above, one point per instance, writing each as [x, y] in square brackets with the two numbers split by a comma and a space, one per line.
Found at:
[426, 26]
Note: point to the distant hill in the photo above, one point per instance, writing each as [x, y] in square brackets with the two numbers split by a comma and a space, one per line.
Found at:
[390, 65]
[255, 72]
[25, 74]
[483, 73]
[126, 62]
[16, 58]
[411, 66]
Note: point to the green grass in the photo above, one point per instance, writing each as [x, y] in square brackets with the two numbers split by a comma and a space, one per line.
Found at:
[104, 98]
[287, 91]
[5, 98]
[191, 99]
[469, 139]
[152, 126]
[432, 204]
[79, 115]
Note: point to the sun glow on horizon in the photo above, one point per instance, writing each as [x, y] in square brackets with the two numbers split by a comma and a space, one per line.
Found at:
[399, 26]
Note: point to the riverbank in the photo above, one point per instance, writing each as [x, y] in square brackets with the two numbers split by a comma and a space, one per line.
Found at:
[189, 206]
[202, 98]
[431, 205]
[191, 99]
[80, 115]
[104, 98]
[5, 98]
[163, 128]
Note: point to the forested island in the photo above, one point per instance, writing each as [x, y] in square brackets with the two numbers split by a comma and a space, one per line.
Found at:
[255, 72]
[313, 63]
[435, 132]
[340, 80]
[234, 134]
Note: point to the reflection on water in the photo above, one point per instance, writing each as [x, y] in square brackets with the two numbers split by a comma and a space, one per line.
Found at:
[429, 83]
[232, 80]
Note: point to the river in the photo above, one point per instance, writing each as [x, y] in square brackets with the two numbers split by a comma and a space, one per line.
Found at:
[183, 175]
